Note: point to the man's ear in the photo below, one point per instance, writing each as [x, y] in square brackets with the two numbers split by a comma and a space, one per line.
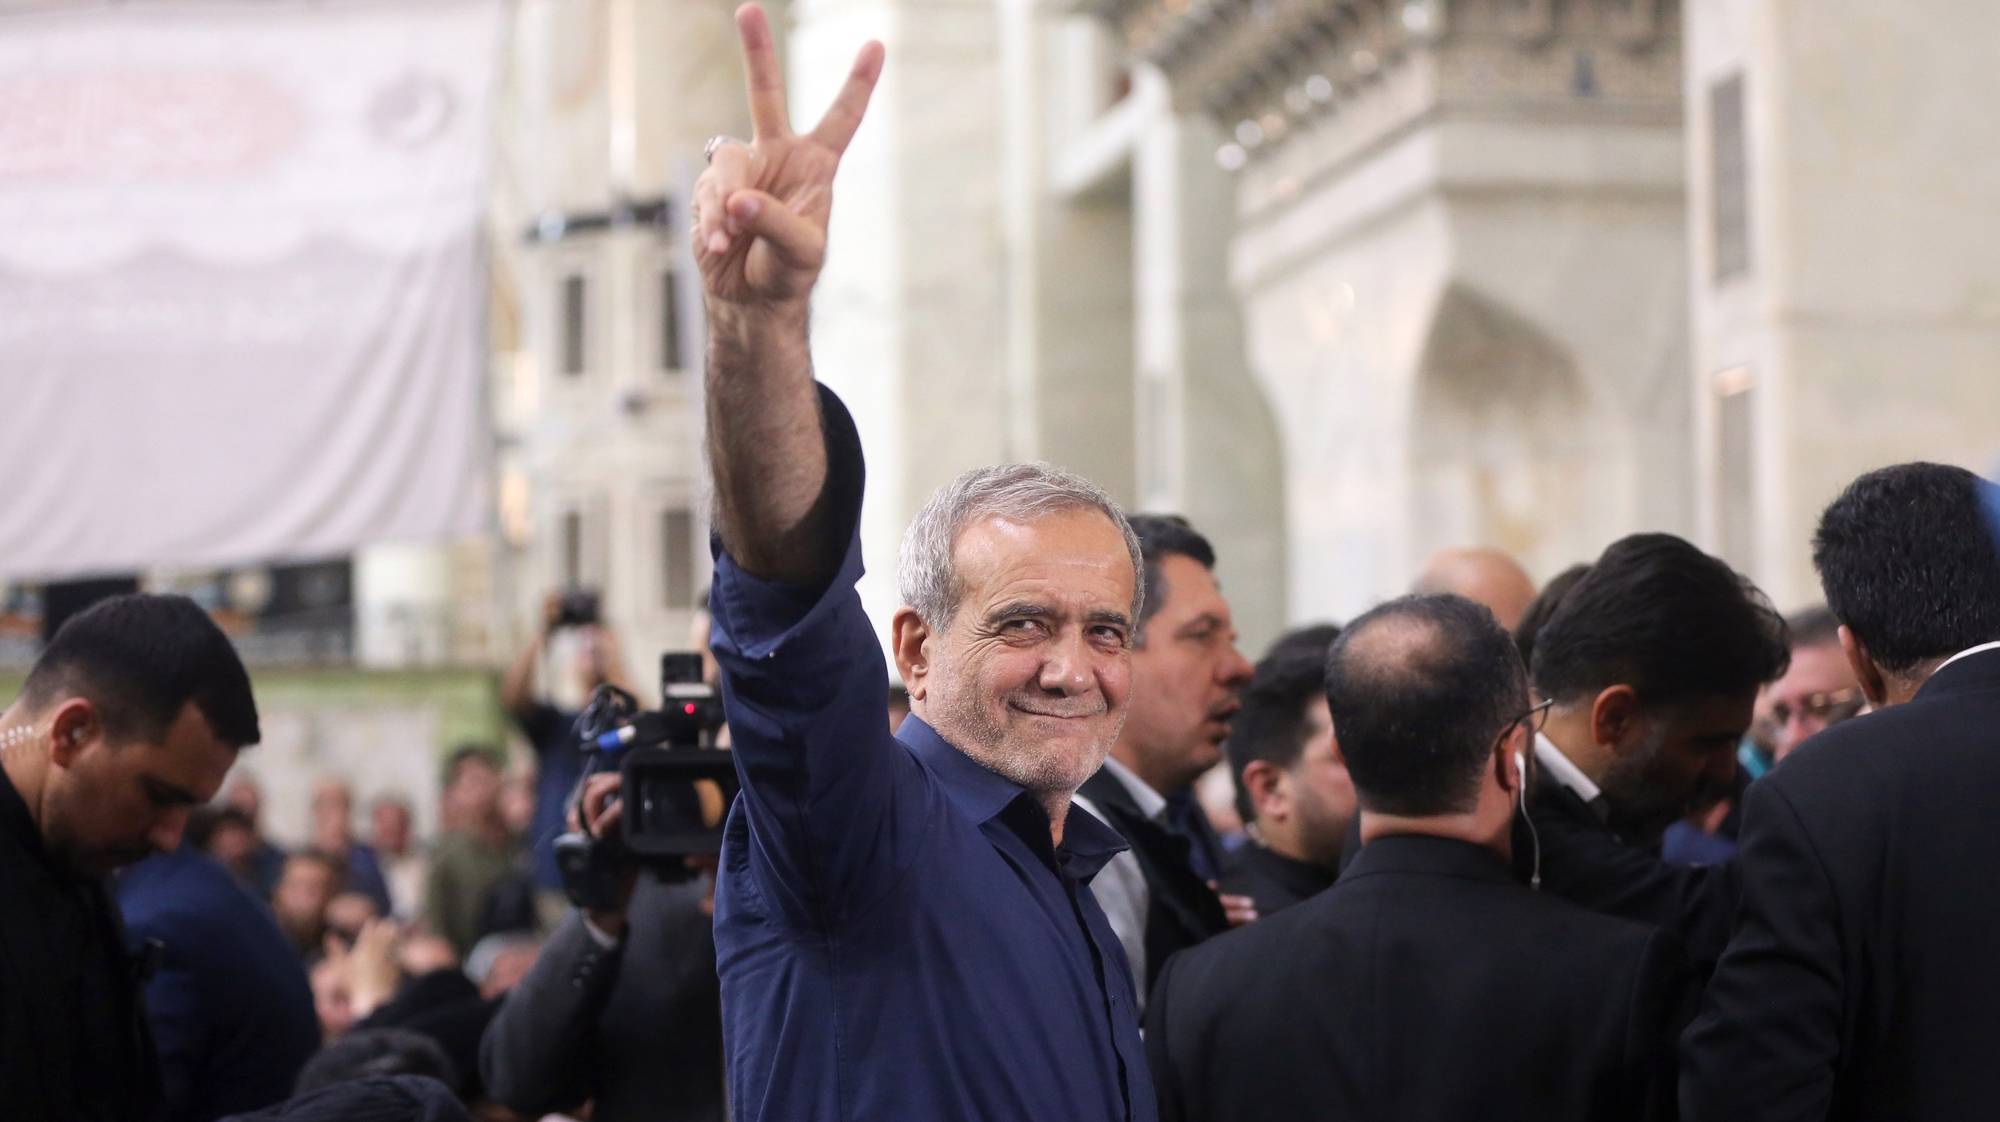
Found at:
[73, 724]
[910, 640]
[1510, 761]
[1874, 684]
[1613, 714]
[1263, 782]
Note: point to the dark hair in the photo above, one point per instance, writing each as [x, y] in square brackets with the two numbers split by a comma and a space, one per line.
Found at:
[1312, 639]
[376, 1051]
[141, 659]
[1271, 726]
[334, 865]
[470, 754]
[1910, 564]
[1542, 607]
[1162, 536]
[1420, 690]
[1658, 615]
[1813, 627]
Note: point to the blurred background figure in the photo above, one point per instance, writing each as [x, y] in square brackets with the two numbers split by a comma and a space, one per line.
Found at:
[333, 835]
[309, 883]
[1818, 691]
[1484, 576]
[473, 853]
[405, 862]
[549, 727]
[264, 862]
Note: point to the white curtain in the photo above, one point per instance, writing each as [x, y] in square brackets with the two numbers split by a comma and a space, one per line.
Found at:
[241, 280]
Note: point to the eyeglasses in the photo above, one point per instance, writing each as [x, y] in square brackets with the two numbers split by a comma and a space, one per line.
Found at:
[1829, 708]
[1534, 718]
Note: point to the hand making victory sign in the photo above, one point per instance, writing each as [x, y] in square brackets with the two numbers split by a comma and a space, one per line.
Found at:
[761, 208]
[760, 220]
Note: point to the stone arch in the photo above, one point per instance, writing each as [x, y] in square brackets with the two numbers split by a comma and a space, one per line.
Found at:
[1505, 441]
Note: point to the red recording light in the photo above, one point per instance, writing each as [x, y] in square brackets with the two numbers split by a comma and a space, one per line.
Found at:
[688, 708]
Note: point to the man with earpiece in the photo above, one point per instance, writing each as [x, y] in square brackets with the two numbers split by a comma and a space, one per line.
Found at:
[1428, 982]
[128, 720]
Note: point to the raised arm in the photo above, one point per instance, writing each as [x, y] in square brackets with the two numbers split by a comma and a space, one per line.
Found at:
[761, 214]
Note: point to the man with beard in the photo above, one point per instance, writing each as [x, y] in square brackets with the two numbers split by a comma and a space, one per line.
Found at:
[904, 926]
[128, 720]
[1291, 783]
[1186, 677]
[1652, 664]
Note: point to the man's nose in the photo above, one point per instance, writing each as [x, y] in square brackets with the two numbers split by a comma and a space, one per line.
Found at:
[1236, 670]
[1065, 665]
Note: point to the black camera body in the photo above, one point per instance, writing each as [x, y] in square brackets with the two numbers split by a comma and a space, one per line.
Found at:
[677, 785]
[577, 608]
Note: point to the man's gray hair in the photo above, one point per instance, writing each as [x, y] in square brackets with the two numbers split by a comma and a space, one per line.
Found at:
[1018, 492]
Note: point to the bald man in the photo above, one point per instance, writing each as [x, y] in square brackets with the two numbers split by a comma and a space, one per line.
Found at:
[1482, 575]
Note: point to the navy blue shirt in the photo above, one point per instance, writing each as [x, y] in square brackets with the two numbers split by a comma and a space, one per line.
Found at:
[896, 936]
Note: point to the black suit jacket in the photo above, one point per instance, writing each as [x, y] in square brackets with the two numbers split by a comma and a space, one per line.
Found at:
[1181, 909]
[1863, 979]
[636, 1028]
[1584, 862]
[1425, 984]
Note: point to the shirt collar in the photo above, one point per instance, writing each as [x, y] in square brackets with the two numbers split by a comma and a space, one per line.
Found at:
[982, 794]
[1566, 773]
[1151, 803]
[1968, 653]
[976, 790]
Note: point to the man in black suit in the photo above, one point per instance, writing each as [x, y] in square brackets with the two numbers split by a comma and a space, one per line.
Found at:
[1652, 663]
[1187, 676]
[1427, 983]
[622, 1008]
[1861, 980]
[1291, 788]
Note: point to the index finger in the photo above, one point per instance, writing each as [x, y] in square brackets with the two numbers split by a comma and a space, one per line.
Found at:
[761, 71]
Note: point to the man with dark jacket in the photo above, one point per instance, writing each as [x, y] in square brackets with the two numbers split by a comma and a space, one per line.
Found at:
[129, 719]
[1651, 663]
[1427, 983]
[622, 1009]
[229, 1006]
[1187, 678]
[1860, 981]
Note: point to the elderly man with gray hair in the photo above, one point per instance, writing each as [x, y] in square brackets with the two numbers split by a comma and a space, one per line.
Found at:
[904, 926]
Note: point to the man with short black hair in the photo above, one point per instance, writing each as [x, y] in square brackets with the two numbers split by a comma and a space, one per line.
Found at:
[129, 720]
[1652, 663]
[1186, 677]
[1860, 979]
[1427, 982]
[1291, 787]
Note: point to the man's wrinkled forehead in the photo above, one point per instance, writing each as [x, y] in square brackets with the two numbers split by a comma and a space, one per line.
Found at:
[1069, 553]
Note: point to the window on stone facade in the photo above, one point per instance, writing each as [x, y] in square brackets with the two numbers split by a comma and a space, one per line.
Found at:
[575, 321]
[677, 559]
[672, 359]
[1736, 483]
[1729, 164]
[570, 542]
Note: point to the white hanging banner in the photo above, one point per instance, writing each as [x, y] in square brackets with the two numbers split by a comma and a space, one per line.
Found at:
[241, 280]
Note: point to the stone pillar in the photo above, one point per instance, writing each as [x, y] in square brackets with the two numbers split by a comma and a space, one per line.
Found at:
[1209, 447]
[1846, 299]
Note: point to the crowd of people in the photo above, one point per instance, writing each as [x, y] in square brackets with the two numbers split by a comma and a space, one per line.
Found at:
[1629, 845]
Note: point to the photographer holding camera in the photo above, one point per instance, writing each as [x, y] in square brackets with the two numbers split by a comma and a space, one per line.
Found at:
[623, 1007]
[550, 727]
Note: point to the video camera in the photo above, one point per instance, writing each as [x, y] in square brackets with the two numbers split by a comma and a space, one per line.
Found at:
[677, 783]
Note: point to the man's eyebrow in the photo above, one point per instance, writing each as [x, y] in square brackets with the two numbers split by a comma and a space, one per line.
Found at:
[1019, 609]
[1204, 620]
[169, 793]
[1118, 618]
